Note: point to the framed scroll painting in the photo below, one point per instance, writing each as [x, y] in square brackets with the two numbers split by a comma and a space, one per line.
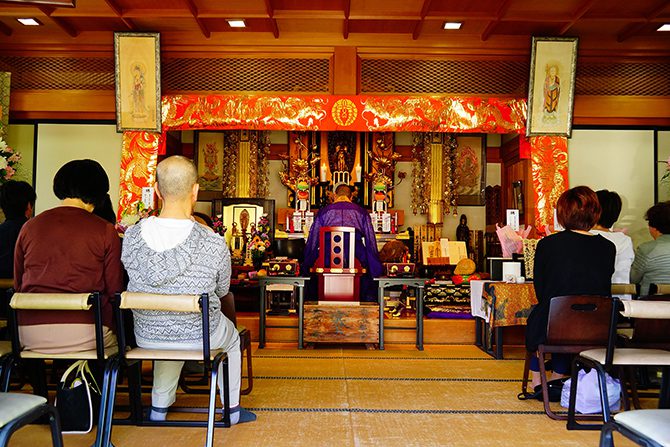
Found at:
[471, 169]
[209, 150]
[138, 82]
[551, 86]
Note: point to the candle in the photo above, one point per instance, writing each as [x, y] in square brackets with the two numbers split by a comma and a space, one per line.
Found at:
[323, 172]
[358, 173]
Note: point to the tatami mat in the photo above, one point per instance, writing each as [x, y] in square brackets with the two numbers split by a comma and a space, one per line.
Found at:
[333, 396]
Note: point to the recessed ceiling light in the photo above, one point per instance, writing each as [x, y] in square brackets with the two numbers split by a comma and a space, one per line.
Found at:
[665, 27]
[29, 22]
[452, 25]
[236, 23]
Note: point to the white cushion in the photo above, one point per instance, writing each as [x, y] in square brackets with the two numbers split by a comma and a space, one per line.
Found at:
[654, 424]
[15, 405]
[630, 356]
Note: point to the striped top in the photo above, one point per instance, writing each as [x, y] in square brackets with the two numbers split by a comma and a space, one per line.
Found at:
[652, 263]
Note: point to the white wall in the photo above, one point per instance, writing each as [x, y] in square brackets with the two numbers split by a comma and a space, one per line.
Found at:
[621, 161]
[59, 143]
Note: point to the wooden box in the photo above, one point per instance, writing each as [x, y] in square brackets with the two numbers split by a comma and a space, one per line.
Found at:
[333, 323]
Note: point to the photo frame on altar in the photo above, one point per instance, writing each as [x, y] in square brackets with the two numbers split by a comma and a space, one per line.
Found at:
[138, 81]
[471, 170]
[209, 150]
[551, 86]
[230, 209]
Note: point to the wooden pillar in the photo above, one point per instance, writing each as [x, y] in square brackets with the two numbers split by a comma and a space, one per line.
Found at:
[345, 71]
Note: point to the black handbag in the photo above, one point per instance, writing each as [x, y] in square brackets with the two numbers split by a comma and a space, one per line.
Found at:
[78, 399]
[555, 387]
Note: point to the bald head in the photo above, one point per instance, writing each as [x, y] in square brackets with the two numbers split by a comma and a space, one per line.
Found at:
[343, 191]
[176, 176]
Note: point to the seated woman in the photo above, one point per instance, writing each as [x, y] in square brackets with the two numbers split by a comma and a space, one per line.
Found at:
[571, 262]
[68, 249]
[610, 203]
[652, 259]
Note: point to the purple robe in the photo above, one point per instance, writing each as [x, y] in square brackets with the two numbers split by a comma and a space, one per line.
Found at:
[347, 214]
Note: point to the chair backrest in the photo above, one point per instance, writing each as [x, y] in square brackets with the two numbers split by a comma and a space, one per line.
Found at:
[660, 289]
[625, 289]
[60, 302]
[337, 248]
[580, 320]
[170, 303]
[651, 321]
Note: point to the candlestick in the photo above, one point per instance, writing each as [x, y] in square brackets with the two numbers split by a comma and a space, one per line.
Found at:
[358, 173]
[323, 172]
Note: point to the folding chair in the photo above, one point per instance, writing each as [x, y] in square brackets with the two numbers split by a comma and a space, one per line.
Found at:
[645, 427]
[71, 302]
[576, 323]
[18, 410]
[604, 359]
[133, 356]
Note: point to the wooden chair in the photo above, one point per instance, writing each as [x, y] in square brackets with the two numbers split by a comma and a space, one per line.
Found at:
[576, 323]
[604, 360]
[133, 356]
[228, 309]
[64, 302]
[645, 427]
[18, 410]
[337, 269]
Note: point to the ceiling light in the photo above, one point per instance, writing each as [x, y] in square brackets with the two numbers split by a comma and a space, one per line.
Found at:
[236, 23]
[29, 22]
[665, 27]
[452, 25]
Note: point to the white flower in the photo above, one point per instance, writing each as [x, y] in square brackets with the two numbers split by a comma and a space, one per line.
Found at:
[3, 162]
[3, 145]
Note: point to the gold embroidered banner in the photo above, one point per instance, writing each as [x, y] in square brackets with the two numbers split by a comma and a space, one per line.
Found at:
[549, 166]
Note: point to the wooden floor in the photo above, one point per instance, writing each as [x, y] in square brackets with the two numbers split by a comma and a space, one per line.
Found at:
[330, 396]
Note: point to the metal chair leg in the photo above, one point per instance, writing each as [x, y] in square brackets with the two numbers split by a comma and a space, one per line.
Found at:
[526, 372]
[54, 424]
[109, 414]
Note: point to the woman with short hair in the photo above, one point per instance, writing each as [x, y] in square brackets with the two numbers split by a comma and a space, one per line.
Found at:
[571, 262]
[68, 249]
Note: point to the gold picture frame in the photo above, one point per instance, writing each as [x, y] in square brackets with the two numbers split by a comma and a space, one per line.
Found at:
[551, 86]
[137, 76]
[209, 159]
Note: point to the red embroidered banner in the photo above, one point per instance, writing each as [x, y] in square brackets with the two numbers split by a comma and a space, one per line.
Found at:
[352, 113]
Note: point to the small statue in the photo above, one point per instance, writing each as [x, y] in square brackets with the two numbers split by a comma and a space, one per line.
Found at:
[341, 157]
[463, 232]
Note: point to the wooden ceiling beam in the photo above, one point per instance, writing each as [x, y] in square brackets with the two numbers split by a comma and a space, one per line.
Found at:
[194, 12]
[270, 10]
[583, 9]
[70, 30]
[502, 10]
[419, 23]
[119, 13]
[345, 26]
[634, 28]
[5, 29]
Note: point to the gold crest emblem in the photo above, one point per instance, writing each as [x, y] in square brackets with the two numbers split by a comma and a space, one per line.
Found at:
[344, 112]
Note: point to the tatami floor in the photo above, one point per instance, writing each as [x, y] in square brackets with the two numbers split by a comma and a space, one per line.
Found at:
[330, 396]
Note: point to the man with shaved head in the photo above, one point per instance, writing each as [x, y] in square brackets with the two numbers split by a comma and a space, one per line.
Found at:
[172, 254]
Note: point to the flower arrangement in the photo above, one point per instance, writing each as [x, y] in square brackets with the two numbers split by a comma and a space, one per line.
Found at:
[218, 226]
[258, 241]
[133, 215]
[8, 161]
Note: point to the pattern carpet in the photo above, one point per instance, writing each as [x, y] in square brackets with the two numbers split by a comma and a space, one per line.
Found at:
[334, 396]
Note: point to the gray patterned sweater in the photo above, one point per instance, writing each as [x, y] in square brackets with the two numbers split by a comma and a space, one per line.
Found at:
[199, 264]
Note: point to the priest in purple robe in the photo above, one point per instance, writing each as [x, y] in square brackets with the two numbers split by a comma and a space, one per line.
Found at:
[344, 213]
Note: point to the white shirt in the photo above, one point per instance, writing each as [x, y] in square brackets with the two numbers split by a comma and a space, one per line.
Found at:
[624, 255]
[162, 234]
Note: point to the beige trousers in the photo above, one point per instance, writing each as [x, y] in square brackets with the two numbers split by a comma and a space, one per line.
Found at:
[62, 338]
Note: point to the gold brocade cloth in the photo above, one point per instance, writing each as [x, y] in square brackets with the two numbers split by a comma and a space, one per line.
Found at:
[549, 168]
[508, 304]
[139, 154]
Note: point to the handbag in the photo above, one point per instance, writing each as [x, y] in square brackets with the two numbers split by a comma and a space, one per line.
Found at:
[588, 393]
[78, 398]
